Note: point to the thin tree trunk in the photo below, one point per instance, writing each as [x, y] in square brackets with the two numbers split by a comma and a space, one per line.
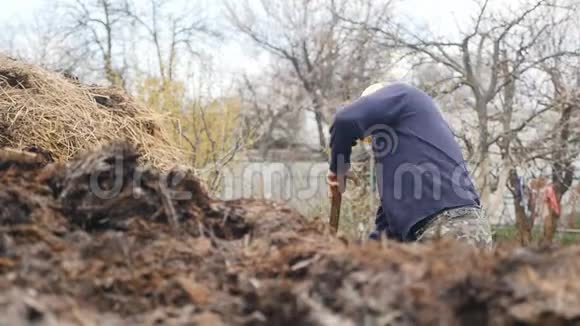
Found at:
[572, 219]
[484, 162]
[319, 122]
[496, 199]
[320, 127]
[111, 73]
[562, 173]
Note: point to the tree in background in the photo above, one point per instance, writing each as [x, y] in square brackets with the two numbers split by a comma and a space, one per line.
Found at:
[497, 53]
[276, 108]
[560, 145]
[212, 131]
[319, 60]
[550, 90]
[94, 32]
[175, 34]
[492, 55]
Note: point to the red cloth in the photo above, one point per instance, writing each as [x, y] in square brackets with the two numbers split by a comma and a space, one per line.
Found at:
[551, 199]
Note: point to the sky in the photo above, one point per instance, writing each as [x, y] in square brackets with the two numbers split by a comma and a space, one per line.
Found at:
[22, 9]
[437, 12]
[441, 16]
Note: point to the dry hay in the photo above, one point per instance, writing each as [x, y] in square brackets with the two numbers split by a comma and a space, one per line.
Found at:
[49, 112]
[69, 257]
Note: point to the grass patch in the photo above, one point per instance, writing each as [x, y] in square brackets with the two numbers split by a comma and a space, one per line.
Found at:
[507, 233]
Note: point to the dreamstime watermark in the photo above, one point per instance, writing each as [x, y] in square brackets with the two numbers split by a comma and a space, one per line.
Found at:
[110, 183]
[419, 174]
[385, 140]
[429, 181]
[297, 182]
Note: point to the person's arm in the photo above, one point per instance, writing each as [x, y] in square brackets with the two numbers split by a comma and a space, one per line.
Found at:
[359, 119]
[343, 136]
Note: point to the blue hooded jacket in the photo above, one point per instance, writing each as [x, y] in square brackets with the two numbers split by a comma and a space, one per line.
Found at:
[420, 168]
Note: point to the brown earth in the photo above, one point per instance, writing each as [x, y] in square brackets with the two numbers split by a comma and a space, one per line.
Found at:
[102, 241]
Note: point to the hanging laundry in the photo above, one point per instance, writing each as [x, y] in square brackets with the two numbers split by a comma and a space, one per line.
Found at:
[526, 199]
[551, 199]
[519, 189]
[531, 207]
[523, 196]
[537, 198]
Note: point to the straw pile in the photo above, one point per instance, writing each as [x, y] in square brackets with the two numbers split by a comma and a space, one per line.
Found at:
[46, 112]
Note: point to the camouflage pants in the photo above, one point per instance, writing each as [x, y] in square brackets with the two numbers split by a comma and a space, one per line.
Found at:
[468, 225]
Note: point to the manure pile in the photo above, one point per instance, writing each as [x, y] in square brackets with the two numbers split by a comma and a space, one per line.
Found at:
[101, 240]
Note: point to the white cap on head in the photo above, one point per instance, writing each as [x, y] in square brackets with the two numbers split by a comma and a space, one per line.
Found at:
[373, 88]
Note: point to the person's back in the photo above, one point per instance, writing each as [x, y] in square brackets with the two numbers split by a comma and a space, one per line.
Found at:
[420, 168]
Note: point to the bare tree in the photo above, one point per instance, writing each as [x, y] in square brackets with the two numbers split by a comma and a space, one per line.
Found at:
[557, 144]
[171, 33]
[93, 29]
[36, 41]
[476, 62]
[563, 139]
[327, 60]
[277, 120]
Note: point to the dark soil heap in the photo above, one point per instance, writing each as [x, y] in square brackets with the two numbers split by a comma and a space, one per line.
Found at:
[102, 241]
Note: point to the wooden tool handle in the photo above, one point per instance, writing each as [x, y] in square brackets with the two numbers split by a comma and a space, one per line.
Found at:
[335, 210]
